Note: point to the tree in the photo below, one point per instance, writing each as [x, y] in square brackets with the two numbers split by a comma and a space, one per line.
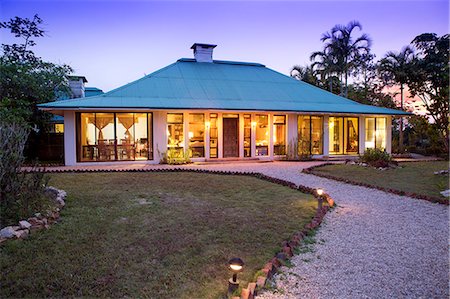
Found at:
[26, 80]
[305, 74]
[394, 69]
[344, 49]
[428, 79]
[325, 65]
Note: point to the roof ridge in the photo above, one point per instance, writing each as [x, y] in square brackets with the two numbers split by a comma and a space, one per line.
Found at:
[231, 62]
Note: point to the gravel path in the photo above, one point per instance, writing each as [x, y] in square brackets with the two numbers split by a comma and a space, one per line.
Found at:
[373, 245]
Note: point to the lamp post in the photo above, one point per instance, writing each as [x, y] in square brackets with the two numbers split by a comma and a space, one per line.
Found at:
[236, 264]
[319, 192]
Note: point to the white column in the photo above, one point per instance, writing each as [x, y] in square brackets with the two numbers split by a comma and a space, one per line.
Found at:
[326, 137]
[362, 134]
[70, 151]
[389, 134]
[270, 120]
[220, 135]
[292, 132]
[207, 135]
[253, 136]
[159, 134]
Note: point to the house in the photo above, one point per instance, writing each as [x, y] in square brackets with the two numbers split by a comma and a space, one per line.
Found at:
[51, 141]
[215, 109]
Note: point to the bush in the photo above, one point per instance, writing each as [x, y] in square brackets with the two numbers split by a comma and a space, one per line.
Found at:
[21, 194]
[376, 158]
[175, 157]
[297, 153]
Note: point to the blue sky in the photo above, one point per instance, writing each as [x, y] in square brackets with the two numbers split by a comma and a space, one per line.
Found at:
[115, 42]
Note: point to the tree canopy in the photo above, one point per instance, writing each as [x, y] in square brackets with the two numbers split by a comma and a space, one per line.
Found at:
[27, 79]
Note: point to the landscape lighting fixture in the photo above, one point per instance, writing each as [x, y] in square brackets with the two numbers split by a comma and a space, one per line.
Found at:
[319, 191]
[236, 265]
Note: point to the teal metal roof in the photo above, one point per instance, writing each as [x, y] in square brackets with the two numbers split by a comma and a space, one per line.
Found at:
[221, 85]
[92, 91]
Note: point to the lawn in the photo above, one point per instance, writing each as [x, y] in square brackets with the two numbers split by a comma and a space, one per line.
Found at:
[415, 177]
[154, 235]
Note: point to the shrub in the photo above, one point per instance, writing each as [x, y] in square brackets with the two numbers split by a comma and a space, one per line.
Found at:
[175, 156]
[376, 157]
[298, 153]
[21, 194]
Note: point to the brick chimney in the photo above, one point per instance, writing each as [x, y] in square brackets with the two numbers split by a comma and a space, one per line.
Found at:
[203, 52]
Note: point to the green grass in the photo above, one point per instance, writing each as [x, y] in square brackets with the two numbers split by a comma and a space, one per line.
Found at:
[153, 235]
[416, 177]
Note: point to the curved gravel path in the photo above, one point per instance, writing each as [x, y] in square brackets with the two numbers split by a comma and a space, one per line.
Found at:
[373, 245]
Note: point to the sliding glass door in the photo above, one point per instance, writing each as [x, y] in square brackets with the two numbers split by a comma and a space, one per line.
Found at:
[114, 136]
[343, 135]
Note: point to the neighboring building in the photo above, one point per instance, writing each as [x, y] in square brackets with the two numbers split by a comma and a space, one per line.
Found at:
[218, 109]
[51, 142]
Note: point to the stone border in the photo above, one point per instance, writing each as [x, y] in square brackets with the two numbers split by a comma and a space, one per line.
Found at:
[433, 199]
[287, 246]
[38, 221]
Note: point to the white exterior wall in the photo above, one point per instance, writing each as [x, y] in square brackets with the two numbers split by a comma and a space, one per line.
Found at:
[362, 134]
[70, 140]
[159, 135]
[326, 137]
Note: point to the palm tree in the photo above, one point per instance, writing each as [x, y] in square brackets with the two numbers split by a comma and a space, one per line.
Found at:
[304, 73]
[325, 65]
[394, 69]
[345, 49]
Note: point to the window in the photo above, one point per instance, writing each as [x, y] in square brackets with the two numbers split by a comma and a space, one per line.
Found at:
[114, 136]
[59, 128]
[213, 135]
[175, 132]
[310, 140]
[262, 135]
[343, 135]
[247, 135]
[375, 132]
[279, 134]
[197, 135]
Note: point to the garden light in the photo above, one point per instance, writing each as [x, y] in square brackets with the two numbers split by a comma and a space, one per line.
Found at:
[319, 191]
[236, 265]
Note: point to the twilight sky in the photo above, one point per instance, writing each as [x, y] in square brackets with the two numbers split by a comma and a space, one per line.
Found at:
[116, 42]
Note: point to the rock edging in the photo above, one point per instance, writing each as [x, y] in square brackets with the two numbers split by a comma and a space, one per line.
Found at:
[288, 246]
[38, 221]
[310, 170]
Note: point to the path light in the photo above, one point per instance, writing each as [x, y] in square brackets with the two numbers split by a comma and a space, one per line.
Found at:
[319, 192]
[236, 265]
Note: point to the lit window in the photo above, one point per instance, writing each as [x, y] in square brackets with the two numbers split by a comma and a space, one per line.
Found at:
[262, 135]
[376, 132]
[213, 135]
[279, 135]
[247, 135]
[59, 128]
[175, 133]
[310, 135]
[197, 135]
